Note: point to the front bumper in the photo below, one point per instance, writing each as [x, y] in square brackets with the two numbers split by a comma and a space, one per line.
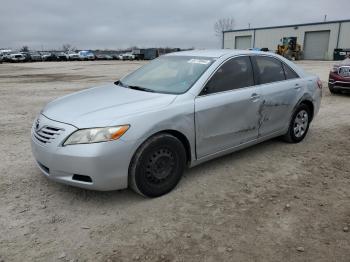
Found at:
[338, 82]
[106, 164]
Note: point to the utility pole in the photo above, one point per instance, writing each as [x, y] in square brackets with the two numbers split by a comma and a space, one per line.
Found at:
[325, 18]
[248, 25]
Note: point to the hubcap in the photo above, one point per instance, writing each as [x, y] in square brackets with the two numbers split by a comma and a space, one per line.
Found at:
[160, 166]
[300, 123]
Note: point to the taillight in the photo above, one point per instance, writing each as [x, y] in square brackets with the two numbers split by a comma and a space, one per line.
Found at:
[319, 83]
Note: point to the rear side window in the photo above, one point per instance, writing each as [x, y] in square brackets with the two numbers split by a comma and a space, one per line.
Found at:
[269, 70]
[290, 74]
[233, 74]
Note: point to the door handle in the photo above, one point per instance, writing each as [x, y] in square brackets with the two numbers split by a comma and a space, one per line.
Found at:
[254, 96]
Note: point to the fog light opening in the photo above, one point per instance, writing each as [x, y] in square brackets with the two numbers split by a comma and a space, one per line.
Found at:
[82, 178]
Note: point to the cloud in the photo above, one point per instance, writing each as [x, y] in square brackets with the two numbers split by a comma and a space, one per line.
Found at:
[120, 24]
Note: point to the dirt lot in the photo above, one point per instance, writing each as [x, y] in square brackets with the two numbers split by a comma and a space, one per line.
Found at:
[272, 202]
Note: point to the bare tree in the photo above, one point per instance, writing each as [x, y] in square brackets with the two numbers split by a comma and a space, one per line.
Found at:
[68, 47]
[24, 49]
[223, 24]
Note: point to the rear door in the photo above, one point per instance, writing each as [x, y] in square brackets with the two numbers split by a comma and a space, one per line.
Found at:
[226, 111]
[278, 86]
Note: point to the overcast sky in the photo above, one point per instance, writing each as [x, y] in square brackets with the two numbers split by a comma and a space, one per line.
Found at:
[147, 23]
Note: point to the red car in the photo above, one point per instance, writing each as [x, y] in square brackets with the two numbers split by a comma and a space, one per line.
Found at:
[339, 77]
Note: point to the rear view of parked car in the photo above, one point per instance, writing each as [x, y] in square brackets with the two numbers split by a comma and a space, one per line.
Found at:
[181, 109]
[339, 77]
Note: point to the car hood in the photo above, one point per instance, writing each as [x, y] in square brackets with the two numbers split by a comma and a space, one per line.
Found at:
[345, 62]
[103, 106]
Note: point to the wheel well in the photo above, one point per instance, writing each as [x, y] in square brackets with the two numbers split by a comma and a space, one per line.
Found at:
[310, 105]
[183, 139]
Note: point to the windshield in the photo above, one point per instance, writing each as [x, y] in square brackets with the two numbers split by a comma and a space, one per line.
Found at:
[168, 74]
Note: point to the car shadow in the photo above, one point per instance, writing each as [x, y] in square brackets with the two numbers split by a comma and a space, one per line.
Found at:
[128, 197]
[229, 159]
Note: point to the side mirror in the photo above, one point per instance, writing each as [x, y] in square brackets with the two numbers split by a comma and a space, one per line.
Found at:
[206, 90]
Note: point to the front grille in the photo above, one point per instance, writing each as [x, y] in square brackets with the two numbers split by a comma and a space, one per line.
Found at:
[344, 71]
[47, 134]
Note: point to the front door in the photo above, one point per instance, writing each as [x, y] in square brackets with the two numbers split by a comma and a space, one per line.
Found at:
[226, 111]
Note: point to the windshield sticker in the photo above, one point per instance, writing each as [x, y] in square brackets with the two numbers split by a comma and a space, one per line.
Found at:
[198, 61]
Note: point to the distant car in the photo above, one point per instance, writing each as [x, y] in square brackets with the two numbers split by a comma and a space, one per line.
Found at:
[108, 57]
[45, 55]
[100, 57]
[115, 56]
[86, 55]
[35, 57]
[49, 57]
[4, 53]
[73, 56]
[339, 77]
[127, 56]
[179, 110]
[61, 56]
[27, 56]
[15, 57]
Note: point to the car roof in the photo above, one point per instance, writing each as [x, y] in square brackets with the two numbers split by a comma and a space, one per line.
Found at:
[218, 53]
[214, 53]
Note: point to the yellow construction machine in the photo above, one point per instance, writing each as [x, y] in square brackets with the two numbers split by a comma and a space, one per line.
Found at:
[289, 48]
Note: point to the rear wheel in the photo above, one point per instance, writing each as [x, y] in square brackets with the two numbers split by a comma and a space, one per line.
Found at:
[299, 124]
[157, 165]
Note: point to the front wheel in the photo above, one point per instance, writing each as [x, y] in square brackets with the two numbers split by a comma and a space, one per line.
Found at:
[299, 125]
[157, 165]
[333, 91]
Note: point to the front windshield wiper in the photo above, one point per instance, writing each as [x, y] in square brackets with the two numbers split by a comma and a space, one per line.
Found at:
[141, 88]
[120, 83]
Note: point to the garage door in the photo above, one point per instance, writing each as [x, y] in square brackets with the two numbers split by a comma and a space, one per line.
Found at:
[243, 42]
[316, 45]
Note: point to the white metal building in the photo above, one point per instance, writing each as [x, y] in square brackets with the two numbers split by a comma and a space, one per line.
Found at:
[317, 40]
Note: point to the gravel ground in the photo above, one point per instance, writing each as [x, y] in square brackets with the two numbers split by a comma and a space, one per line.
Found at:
[271, 202]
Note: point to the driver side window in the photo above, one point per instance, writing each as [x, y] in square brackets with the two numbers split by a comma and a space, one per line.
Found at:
[233, 74]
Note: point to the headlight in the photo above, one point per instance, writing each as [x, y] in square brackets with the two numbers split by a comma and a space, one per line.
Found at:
[335, 69]
[95, 135]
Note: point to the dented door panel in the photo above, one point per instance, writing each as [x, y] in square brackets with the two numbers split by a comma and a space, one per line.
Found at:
[277, 103]
[225, 120]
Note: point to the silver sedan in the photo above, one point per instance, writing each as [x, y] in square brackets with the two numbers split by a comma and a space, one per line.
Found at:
[180, 110]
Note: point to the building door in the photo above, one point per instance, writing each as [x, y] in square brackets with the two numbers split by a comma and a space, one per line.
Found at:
[316, 45]
[243, 42]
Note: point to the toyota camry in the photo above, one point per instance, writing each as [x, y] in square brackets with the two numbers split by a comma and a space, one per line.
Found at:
[177, 111]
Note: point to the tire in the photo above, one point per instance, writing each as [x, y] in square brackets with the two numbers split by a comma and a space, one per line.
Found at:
[157, 166]
[333, 91]
[299, 124]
